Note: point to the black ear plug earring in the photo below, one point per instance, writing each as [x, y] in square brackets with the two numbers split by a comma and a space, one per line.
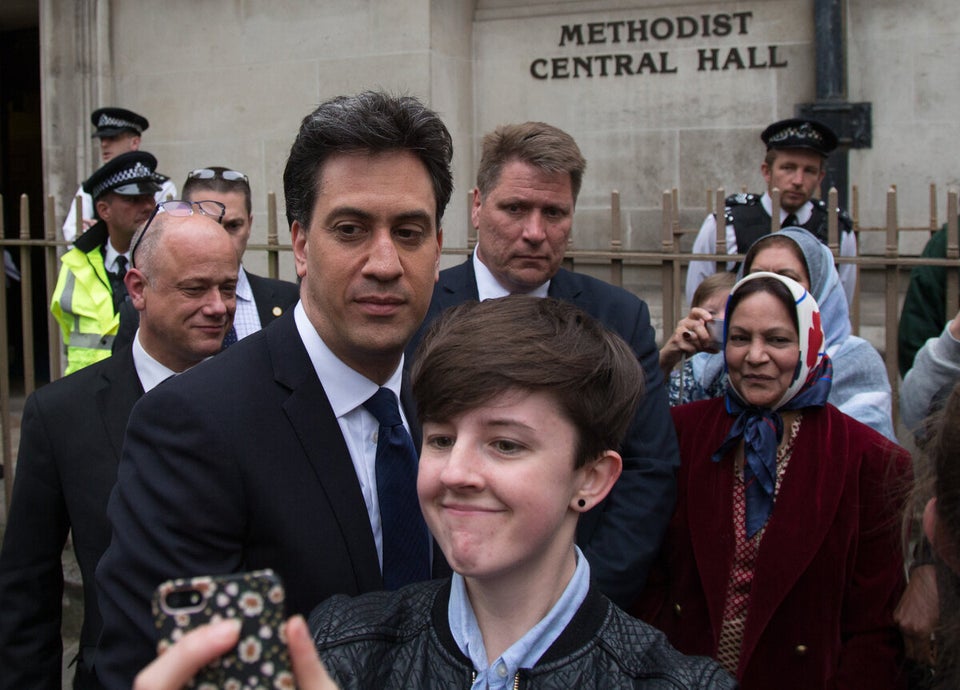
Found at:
[582, 503]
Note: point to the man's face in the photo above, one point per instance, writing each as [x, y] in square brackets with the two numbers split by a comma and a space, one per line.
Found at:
[187, 294]
[236, 221]
[124, 214]
[370, 258]
[796, 173]
[120, 143]
[523, 225]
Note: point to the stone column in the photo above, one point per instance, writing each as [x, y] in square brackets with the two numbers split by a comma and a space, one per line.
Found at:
[77, 77]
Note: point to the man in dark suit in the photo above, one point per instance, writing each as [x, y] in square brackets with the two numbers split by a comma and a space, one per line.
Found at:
[523, 205]
[267, 456]
[260, 300]
[72, 434]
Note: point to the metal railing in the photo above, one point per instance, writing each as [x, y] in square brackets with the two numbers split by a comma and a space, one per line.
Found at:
[668, 257]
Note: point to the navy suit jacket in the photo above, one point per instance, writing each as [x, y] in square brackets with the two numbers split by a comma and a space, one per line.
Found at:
[236, 465]
[621, 536]
[70, 441]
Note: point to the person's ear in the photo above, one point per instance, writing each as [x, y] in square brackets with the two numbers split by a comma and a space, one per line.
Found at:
[103, 209]
[298, 237]
[136, 282]
[597, 478]
[475, 208]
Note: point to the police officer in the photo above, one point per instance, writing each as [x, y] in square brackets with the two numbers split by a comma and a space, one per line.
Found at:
[90, 285]
[119, 130]
[795, 163]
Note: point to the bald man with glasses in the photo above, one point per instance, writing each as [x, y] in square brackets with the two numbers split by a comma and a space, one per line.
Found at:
[260, 300]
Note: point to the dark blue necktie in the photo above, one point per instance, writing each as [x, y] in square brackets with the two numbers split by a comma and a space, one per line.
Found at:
[230, 338]
[406, 553]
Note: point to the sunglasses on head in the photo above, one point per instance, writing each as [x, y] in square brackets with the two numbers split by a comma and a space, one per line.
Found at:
[180, 209]
[223, 174]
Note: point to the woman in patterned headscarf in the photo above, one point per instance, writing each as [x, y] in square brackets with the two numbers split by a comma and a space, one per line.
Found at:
[782, 557]
[860, 386]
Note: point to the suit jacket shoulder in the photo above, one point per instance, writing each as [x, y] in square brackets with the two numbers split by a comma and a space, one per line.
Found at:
[237, 464]
[273, 297]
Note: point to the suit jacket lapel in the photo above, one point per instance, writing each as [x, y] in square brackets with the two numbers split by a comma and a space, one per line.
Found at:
[265, 297]
[709, 505]
[316, 427]
[457, 284]
[118, 389]
[563, 288]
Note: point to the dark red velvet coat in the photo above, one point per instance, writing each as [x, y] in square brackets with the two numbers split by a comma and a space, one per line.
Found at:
[829, 572]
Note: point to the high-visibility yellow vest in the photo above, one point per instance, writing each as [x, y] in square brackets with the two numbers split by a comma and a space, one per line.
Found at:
[83, 304]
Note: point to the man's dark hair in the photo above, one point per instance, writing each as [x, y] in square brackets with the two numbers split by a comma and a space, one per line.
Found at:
[479, 350]
[218, 184]
[370, 122]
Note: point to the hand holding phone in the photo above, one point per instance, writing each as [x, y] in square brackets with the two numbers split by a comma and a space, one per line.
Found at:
[260, 659]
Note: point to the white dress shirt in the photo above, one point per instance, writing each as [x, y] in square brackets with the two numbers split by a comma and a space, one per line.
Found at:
[706, 243]
[110, 258]
[347, 390]
[150, 372]
[489, 288]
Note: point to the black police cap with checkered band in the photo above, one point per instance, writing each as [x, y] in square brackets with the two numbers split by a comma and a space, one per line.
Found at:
[797, 133]
[110, 122]
[130, 173]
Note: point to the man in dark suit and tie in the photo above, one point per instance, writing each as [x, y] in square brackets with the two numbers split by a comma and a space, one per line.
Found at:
[270, 455]
[523, 205]
[72, 433]
[260, 300]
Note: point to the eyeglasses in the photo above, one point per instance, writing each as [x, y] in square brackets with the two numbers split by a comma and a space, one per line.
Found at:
[213, 173]
[180, 209]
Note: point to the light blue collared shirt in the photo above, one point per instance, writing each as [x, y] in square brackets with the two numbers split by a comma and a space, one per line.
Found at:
[525, 652]
[247, 319]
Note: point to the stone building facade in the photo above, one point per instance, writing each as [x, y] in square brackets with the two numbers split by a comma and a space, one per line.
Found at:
[658, 94]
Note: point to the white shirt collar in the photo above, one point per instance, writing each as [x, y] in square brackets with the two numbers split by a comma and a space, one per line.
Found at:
[150, 372]
[346, 388]
[489, 288]
[110, 257]
[803, 213]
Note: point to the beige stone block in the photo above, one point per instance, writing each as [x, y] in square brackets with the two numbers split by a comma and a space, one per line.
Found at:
[713, 158]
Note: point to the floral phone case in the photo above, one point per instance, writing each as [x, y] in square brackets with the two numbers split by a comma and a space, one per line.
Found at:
[260, 659]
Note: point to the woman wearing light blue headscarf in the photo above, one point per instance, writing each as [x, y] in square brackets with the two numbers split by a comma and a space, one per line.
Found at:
[860, 388]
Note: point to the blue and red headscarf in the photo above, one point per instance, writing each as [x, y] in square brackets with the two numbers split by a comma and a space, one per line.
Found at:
[761, 429]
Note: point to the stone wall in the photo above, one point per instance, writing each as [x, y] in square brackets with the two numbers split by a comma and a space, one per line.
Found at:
[658, 94]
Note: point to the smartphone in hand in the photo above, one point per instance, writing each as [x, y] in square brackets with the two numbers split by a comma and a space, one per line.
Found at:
[715, 329]
[256, 599]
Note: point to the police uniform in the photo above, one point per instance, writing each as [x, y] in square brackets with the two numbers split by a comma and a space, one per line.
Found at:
[748, 216]
[109, 122]
[86, 299]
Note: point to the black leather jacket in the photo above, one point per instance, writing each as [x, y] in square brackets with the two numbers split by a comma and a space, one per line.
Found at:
[402, 640]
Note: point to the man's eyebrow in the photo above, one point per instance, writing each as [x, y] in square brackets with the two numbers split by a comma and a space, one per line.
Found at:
[418, 215]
